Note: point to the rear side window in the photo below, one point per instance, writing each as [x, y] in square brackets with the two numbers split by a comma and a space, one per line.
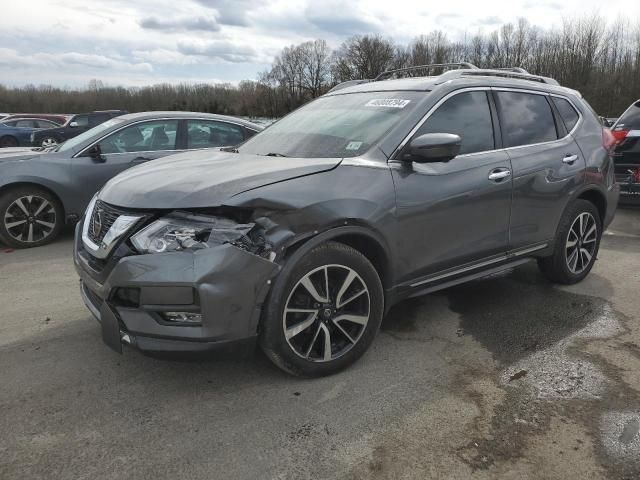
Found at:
[208, 134]
[630, 119]
[569, 115]
[468, 115]
[526, 119]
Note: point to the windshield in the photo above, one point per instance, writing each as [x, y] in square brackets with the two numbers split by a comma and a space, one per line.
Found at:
[334, 126]
[72, 143]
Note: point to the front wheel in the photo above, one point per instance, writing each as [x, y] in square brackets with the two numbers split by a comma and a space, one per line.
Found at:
[29, 217]
[576, 244]
[48, 142]
[323, 312]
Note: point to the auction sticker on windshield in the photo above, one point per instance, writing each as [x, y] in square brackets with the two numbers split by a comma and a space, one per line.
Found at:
[387, 102]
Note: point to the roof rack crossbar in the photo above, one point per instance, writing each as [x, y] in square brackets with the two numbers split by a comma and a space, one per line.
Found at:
[387, 73]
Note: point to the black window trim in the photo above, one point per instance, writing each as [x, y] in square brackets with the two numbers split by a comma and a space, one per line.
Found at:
[395, 153]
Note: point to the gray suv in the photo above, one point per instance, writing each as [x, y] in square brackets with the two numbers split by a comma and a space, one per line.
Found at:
[303, 236]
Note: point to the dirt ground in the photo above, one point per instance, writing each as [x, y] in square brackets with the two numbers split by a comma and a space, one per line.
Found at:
[505, 377]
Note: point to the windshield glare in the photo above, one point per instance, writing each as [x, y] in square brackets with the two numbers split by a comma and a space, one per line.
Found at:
[335, 126]
[72, 143]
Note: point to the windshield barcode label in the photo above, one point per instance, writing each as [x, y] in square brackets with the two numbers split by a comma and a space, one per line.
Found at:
[387, 102]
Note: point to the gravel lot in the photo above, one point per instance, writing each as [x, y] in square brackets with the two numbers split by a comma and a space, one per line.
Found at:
[507, 377]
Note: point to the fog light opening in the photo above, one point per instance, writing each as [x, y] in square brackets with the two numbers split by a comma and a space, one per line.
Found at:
[183, 318]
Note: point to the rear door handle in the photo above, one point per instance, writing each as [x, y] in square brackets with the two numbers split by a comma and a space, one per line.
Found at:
[570, 159]
[498, 174]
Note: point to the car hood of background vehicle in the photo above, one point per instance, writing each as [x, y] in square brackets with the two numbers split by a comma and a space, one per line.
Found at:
[204, 178]
[19, 153]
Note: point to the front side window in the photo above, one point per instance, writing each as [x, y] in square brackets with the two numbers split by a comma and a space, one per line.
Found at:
[81, 120]
[336, 126]
[569, 115]
[526, 118]
[467, 115]
[630, 119]
[207, 134]
[142, 137]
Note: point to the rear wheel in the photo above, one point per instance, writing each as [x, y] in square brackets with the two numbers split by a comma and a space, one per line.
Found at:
[8, 141]
[323, 312]
[576, 246]
[29, 217]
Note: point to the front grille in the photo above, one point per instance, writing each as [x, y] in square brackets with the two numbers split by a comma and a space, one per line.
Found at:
[102, 218]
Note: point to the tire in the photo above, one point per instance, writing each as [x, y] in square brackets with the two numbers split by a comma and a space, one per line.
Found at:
[574, 252]
[49, 141]
[8, 141]
[39, 213]
[303, 351]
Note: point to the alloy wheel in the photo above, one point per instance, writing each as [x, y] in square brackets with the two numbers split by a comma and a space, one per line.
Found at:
[581, 243]
[326, 313]
[30, 219]
[49, 142]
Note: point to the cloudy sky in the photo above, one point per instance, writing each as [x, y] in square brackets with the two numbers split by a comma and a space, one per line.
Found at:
[138, 42]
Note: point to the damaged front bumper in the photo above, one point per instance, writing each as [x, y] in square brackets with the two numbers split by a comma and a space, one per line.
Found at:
[223, 286]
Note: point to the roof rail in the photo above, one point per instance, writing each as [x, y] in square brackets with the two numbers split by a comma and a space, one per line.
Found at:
[512, 69]
[387, 73]
[348, 83]
[501, 73]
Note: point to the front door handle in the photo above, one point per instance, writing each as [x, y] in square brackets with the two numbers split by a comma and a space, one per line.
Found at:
[499, 174]
[570, 159]
[141, 159]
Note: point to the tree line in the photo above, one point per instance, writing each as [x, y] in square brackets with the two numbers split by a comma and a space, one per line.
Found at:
[600, 60]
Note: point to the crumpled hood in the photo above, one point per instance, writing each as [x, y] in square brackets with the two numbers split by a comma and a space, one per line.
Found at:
[204, 178]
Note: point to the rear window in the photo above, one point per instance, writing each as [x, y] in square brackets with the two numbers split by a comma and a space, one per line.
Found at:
[569, 115]
[630, 119]
[526, 119]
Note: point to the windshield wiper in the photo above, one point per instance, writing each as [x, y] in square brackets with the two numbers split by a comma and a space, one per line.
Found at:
[275, 155]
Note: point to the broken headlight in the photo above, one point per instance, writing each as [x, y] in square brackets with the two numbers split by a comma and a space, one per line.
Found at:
[181, 231]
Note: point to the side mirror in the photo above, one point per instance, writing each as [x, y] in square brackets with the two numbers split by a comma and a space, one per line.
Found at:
[73, 124]
[96, 154]
[433, 147]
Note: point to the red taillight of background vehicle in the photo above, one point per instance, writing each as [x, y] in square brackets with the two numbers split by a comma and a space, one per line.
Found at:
[620, 135]
[608, 139]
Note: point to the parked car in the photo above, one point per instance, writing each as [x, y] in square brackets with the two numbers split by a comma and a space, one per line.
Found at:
[16, 133]
[306, 234]
[74, 126]
[57, 118]
[626, 155]
[41, 188]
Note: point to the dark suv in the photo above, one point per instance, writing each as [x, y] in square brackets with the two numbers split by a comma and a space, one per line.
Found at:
[76, 125]
[306, 234]
[626, 155]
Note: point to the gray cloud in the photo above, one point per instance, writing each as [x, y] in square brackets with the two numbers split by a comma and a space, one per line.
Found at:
[348, 22]
[219, 49]
[491, 20]
[232, 12]
[203, 24]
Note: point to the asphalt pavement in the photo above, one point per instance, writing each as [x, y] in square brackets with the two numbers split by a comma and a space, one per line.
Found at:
[505, 377]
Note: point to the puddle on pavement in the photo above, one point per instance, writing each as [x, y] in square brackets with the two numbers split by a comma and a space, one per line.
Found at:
[538, 333]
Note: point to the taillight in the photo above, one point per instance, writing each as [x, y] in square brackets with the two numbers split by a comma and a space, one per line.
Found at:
[635, 175]
[608, 139]
[620, 135]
